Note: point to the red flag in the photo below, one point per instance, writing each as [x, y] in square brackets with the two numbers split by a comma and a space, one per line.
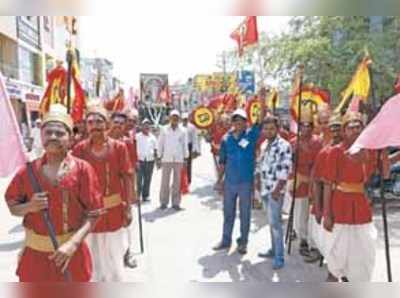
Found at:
[116, 104]
[56, 90]
[246, 34]
[79, 103]
[12, 154]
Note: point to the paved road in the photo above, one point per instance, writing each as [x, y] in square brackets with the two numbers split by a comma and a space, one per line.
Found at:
[178, 245]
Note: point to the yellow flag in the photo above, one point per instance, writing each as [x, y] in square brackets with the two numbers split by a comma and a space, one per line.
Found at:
[359, 86]
[273, 100]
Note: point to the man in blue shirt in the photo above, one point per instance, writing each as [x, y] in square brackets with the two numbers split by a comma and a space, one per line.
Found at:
[236, 176]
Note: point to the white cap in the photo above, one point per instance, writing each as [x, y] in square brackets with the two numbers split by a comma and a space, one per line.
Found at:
[241, 113]
[185, 115]
[146, 121]
[175, 113]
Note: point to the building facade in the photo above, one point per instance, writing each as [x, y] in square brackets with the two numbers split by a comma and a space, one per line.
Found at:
[29, 48]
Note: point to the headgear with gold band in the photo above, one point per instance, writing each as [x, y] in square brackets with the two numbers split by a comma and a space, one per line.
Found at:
[58, 113]
[335, 120]
[352, 117]
[97, 108]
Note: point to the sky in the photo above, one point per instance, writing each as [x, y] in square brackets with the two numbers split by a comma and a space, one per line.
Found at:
[180, 45]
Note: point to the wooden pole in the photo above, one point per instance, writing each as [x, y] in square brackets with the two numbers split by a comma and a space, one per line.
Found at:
[69, 77]
[296, 162]
[384, 218]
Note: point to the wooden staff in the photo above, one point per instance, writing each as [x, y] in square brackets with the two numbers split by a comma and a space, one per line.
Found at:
[69, 78]
[289, 229]
[384, 217]
[46, 216]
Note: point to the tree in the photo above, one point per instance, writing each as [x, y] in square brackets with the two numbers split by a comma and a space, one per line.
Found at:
[331, 48]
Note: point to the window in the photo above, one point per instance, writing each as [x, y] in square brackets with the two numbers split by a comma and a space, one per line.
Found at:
[30, 67]
[8, 57]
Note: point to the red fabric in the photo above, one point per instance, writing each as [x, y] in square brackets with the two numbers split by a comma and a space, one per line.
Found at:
[117, 103]
[246, 34]
[217, 134]
[59, 74]
[119, 163]
[83, 188]
[132, 149]
[79, 103]
[349, 208]
[184, 181]
[308, 152]
[318, 172]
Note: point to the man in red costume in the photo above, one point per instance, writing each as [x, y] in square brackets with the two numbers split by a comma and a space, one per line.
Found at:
[309, 147]
[117, 131]
[70, 193]
[111, 161]
[317, 190]
[350, 251]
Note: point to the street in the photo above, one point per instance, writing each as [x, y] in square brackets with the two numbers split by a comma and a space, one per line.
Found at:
[178, 246]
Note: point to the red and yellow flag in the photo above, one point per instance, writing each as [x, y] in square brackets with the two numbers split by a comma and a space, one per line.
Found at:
[117, 104]
[312, 98]
[56, 91]
[359, 86]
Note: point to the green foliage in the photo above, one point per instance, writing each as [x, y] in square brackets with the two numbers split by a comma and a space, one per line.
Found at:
[331, 48]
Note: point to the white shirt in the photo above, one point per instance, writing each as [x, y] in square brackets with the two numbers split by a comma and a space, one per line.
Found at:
[146, 146]
[173, 145]
[192, 136]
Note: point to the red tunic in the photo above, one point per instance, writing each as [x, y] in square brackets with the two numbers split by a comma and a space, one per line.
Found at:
[308, 153]
[82, 188]
[132, 149]
[217, 134]
[118, 163]
[349, 208]
[318, 172]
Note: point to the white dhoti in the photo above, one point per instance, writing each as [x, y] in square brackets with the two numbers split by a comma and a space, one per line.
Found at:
[301, 215]
[314, 233]
[107, 250]
[350, 251]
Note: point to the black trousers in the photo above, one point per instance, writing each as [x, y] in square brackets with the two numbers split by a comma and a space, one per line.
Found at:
[144, 176]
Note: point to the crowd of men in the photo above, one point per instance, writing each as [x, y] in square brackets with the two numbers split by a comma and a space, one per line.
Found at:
[313, 173]
[90, 175]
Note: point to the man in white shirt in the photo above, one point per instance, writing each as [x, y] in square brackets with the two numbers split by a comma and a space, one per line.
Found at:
[146, 144]
[173, 153]
[193, 143]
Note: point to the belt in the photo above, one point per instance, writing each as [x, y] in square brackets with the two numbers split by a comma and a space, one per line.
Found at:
[112, 201]
[299, 180]
[43, 243]
[350, 187]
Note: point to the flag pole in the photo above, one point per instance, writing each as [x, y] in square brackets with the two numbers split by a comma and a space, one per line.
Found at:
[69, 76]
[384, 217]
[289, 229]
